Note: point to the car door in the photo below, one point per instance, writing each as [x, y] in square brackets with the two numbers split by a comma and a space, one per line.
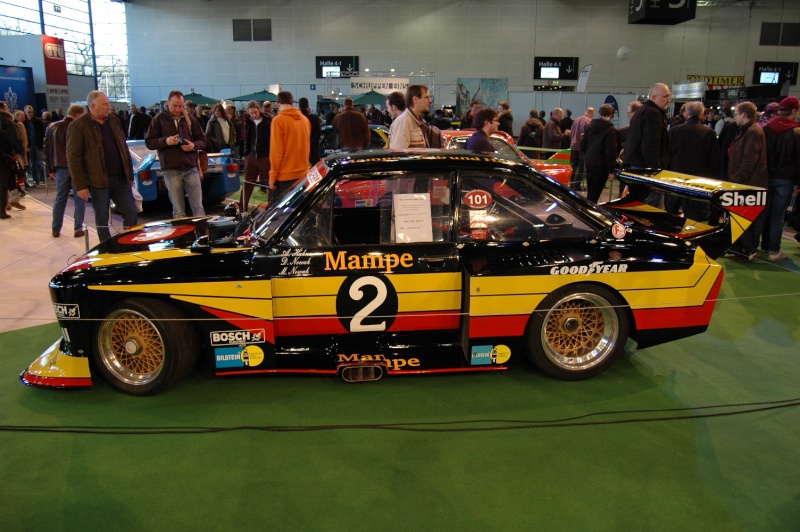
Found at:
[374, 279]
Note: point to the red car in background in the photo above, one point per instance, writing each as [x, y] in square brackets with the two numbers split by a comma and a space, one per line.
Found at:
[504, 144]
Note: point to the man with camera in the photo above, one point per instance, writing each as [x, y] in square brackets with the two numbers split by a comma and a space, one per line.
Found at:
[177, 137]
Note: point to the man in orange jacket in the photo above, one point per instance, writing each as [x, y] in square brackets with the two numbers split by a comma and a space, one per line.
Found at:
[289, 145]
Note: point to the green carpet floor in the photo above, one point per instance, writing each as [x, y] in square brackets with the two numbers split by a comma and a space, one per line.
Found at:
[629, 450]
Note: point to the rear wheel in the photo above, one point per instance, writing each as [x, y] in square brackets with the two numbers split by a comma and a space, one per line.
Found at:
[142, 346]
[577, 332]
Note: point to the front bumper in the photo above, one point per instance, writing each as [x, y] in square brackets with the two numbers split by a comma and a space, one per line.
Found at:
[56, 369]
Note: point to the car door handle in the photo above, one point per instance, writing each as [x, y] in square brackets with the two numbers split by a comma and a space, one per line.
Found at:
[435, 262]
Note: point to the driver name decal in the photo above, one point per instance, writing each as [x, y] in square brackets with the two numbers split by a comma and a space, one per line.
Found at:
[595, 267]
[296, 262]
[378, 261]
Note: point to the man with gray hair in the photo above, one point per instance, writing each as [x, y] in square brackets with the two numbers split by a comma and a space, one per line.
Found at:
[55, 160]
[100, 163]
[553, 135]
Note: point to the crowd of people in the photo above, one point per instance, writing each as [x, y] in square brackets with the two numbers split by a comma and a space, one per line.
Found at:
[85, 152]
[739, 145]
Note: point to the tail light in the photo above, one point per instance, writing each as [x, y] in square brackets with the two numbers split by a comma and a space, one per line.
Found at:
[233, 167]
[145, 174]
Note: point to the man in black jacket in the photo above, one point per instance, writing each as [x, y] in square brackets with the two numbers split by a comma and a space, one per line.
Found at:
[316, 129]
[600, 146]
[647, 145]
[693, 150]
[255, 151]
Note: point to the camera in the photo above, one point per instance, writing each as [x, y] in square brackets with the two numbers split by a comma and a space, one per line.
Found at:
[181, 141]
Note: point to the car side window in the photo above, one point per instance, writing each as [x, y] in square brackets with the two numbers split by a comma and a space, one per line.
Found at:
[401, 208]
[512, 209]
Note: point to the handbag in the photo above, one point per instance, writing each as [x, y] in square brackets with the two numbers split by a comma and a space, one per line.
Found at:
[202, 163]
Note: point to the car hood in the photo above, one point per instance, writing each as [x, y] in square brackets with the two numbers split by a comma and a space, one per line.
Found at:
[162, 236]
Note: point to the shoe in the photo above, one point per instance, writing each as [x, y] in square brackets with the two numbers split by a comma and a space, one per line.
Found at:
[777, 255]
[79, 233]
[56, 234]
[4, 216]
[730, 254]
[747, 257]
[17, 205]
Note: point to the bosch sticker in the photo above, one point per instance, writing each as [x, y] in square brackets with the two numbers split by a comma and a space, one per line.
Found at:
[154, 234]
[67, 311]
[254, 336]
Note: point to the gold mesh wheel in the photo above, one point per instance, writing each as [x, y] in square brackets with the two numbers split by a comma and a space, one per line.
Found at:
[131, 347]
[580, 331]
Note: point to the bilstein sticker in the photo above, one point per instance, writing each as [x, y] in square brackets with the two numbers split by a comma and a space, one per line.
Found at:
[238, 357]
[595, 267]
[484, 355]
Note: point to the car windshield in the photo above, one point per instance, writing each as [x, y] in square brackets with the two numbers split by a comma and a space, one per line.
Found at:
[500, 146]
[270, 218]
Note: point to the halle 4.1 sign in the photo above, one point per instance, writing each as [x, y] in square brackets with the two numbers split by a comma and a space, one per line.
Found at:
[555, 68]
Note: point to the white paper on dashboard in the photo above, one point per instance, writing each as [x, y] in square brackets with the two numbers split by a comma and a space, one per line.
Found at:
[412, 218]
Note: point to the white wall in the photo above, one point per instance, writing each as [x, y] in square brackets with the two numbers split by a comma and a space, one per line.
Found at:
[185, 44]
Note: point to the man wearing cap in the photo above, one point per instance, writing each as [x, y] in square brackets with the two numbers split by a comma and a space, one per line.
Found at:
[783, 166]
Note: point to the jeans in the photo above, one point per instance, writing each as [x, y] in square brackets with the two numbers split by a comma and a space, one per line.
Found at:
[37, 165]
[119, 189]
[63, 186]
[180, 182]
[779, 195]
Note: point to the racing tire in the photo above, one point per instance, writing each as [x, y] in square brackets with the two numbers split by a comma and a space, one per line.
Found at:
[142, 346]
[577, 332]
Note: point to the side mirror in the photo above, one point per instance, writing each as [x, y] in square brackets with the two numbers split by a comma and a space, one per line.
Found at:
[202, 245]
[231, 210]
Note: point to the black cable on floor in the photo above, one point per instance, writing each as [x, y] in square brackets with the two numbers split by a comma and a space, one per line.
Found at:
[440, 426]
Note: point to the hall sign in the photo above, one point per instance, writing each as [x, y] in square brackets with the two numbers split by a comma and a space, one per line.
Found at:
[663, 12]
[337, 66]
[386, 86]
[781, 72]
[555, 68]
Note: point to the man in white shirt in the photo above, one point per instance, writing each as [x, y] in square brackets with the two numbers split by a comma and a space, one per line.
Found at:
[408, 129]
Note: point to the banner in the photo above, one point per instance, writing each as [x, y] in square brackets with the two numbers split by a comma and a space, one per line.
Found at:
[381, 85]
[717, 82]
[55, 69]
[583, 78]
[16, 87]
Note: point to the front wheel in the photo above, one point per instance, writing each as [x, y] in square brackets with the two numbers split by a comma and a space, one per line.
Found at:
[577, 332]
[142, 346]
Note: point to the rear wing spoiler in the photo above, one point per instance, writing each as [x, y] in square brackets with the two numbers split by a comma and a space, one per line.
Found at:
[741, 203]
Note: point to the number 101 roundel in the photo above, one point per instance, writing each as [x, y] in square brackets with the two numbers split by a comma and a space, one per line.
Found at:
[386, 263]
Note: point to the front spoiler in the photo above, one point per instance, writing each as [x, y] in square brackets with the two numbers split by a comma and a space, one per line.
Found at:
[56, 369]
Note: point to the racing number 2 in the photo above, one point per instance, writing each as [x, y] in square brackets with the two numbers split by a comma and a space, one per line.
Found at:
[356, 293]
[366, 304]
